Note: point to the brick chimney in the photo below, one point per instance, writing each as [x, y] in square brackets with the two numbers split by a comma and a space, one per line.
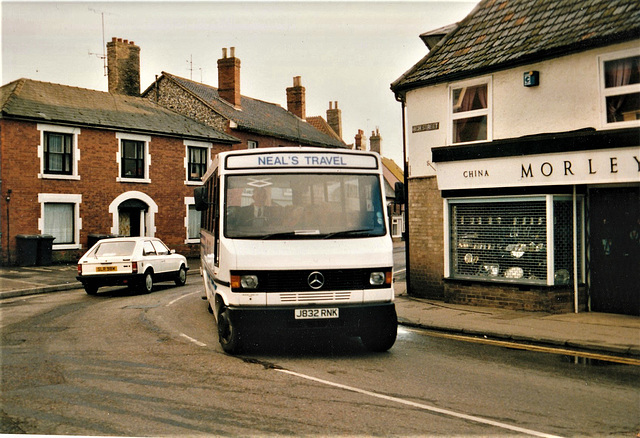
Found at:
[334, 118]
[229, 77]
[374, 141]
[361, 141]
[123, 61]
[296, 99]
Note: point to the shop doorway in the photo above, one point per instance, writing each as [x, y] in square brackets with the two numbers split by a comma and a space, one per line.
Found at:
[132, 218]
[615, 250]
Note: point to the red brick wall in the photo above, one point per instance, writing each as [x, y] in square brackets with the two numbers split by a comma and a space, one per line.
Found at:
[98, 170]
[426, 252]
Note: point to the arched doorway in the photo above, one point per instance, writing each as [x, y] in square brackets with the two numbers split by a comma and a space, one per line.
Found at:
[133, 214]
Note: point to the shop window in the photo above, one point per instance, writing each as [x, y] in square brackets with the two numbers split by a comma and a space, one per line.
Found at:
[522, 240]
[470, 112]
[620, 88]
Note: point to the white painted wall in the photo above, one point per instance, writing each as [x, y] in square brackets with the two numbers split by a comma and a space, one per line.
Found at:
[568, 98]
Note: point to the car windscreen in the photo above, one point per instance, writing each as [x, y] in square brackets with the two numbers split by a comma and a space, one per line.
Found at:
[115, 249]
[294, 206]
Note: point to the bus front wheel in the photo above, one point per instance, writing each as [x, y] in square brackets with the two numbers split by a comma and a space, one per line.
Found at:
[228, 333]
[381, 338]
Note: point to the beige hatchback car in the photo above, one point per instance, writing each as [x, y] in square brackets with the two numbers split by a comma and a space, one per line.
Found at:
[137, 262]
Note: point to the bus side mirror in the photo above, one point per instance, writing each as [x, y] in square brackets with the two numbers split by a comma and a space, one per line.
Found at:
[399, 193]
[200, 198]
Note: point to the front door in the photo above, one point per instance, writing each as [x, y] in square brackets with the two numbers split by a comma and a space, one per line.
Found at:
[615, 250]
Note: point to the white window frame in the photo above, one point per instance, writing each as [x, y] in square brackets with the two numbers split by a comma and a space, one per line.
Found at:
[488, 111]
[614, 91]
[147, 157]
[252, 144]
[61, 198]
[198, 144]
[42, 127]
[188, 202]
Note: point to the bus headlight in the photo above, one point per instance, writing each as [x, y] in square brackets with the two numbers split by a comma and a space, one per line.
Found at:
[249, 281]
[379, 278]
[244, 281]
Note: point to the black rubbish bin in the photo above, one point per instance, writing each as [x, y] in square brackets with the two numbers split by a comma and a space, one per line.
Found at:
[45, 249]
[93, 238]
[27, 249]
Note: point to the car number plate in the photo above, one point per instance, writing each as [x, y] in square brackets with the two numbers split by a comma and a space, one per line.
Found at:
[106, 268]
[316, 313]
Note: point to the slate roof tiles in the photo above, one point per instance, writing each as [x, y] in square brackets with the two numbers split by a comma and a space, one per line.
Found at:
[27, 99]
[504, 33]
[259, 116]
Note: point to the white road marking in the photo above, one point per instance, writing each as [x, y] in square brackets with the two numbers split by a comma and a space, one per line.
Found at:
[422, 406]
[195, 341]
[181, 297]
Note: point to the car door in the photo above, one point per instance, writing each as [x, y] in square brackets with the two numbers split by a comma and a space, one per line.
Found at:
[168, 262]
[151, 258]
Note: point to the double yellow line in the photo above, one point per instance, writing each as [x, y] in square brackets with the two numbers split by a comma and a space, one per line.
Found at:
[530, 347]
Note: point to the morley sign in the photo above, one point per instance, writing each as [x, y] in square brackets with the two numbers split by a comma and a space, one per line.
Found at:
[602, 166]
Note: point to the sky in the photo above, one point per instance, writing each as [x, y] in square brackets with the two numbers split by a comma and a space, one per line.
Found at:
[348, 52]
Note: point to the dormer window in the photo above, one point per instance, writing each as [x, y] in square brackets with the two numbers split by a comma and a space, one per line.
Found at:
[470, 112]
[621, 88]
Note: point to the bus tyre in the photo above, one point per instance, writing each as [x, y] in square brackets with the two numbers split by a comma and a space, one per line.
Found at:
[181, 277]
[381, 338]
[228, 334]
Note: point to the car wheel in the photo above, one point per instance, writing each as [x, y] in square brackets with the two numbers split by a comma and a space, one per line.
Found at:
[181, 278]
[147, 283]
[91, 289]
[381, 338]
[228, 333]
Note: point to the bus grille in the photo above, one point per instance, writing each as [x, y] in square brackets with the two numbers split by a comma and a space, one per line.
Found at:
[316, 297]
[335, 280]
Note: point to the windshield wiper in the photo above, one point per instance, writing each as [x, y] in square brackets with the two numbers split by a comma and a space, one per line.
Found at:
[347, 233]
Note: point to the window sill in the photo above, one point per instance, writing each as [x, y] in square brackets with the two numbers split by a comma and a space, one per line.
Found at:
[66, 246]
[193, 183]
[62, 177]
[134, 180]
[192, 241]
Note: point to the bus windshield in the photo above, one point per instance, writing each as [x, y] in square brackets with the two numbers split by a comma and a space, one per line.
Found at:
[294, 206]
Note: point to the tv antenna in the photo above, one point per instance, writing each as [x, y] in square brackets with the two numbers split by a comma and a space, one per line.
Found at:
[190, 68]
[102, 56]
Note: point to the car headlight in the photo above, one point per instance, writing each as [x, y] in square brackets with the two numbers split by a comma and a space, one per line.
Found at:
[379, 278]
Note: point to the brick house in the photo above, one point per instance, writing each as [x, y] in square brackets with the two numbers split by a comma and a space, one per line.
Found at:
[523, 127]
[78, 163]
[257, 123]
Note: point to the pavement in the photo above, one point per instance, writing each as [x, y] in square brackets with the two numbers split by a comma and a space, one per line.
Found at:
[589, 332]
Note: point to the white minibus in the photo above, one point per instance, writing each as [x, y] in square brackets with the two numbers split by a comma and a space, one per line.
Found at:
[296, 240]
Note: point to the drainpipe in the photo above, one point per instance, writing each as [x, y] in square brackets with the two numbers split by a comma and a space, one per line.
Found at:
[400, 98]
[575, 252]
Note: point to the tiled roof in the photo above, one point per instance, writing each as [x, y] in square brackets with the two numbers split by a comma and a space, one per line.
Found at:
[54, 103]
[393, 168]
[501, 34]
[321, 125]
[259, 117]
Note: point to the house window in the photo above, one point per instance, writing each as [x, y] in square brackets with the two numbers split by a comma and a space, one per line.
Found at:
[192, 221]
[58, 154]
[198, 158]
[621, 87]
[519, 240]
[470, 117]
[251, 144]
[60, 218]
[133, 158]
